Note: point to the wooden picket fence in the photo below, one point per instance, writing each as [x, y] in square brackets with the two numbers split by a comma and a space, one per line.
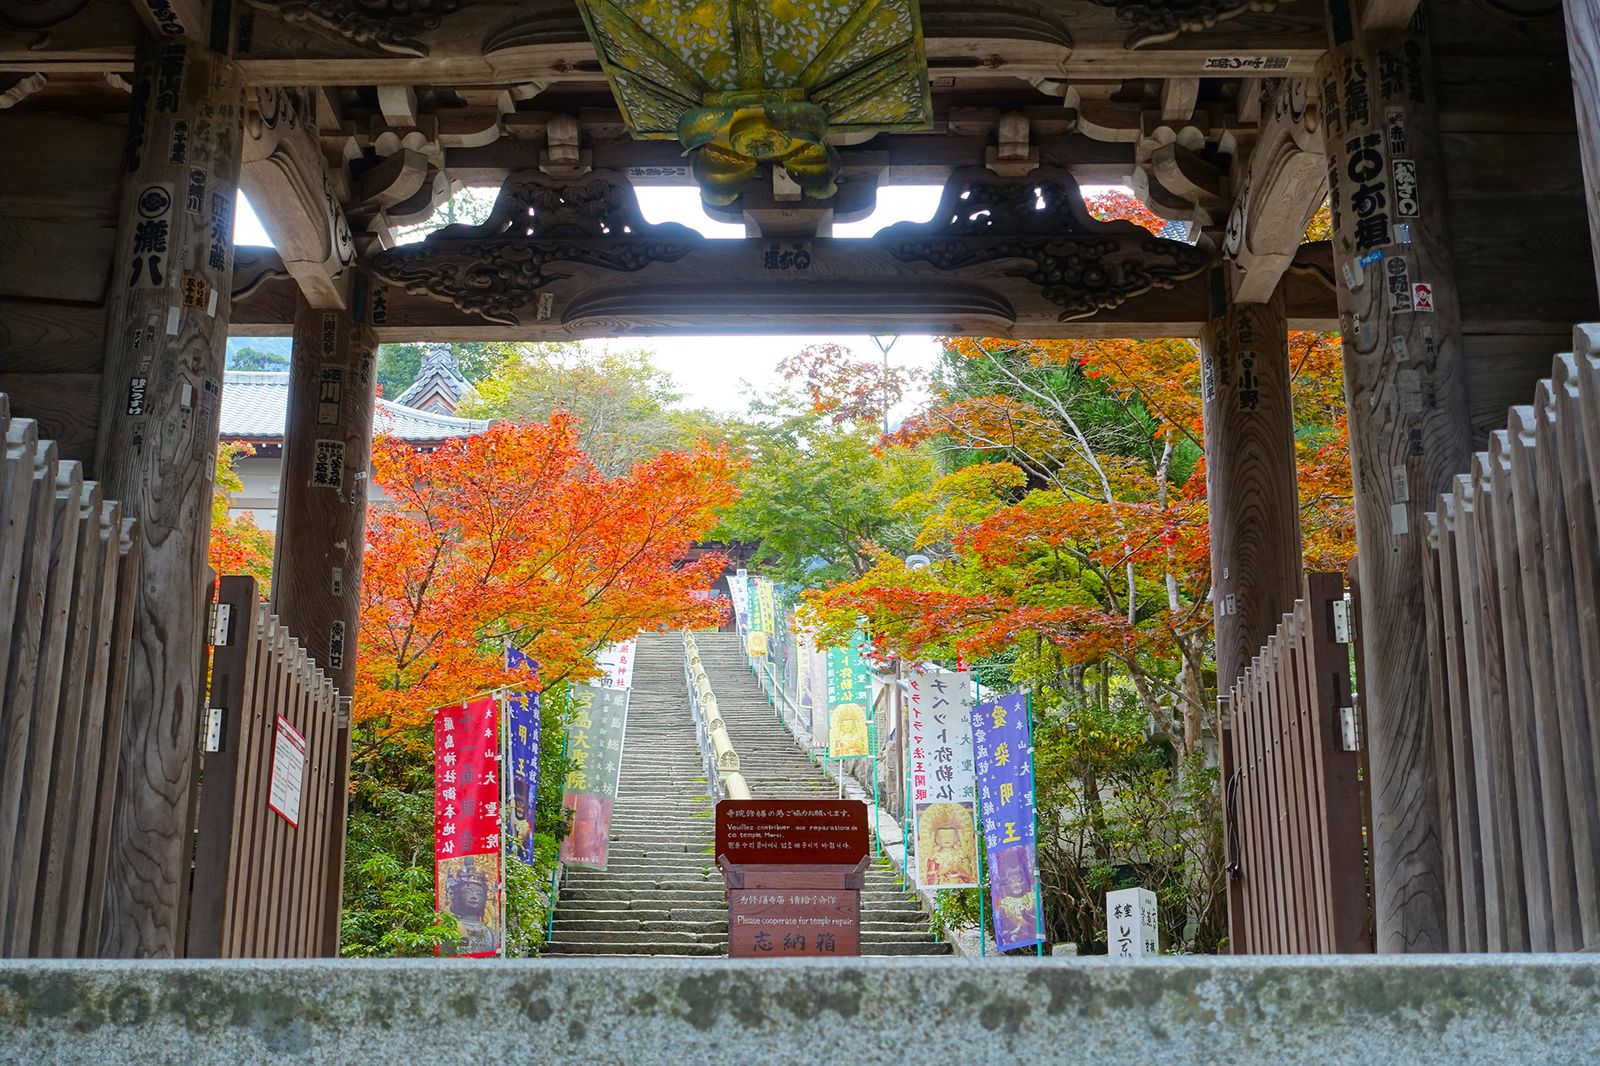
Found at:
[1293, 799]
[264, 887]
[1513, 632]
[68, 575]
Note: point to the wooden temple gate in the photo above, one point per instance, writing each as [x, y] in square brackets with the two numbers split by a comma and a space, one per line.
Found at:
[1447, 135]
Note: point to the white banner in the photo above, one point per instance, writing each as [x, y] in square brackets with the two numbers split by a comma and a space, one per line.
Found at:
[739, 592]
[615, 663]
[943, 793]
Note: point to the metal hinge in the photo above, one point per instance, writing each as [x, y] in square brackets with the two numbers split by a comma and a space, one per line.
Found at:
[1343, 621]
[211, 735]
[1349, 733]
[221, 616]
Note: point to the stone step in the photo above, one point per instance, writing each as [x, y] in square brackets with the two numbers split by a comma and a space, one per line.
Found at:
[635, 947]
[662, 893]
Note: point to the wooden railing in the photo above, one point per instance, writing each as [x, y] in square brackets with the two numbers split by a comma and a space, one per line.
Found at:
[1293, 800]
[1513, 638]
[68, 574]
[269, 846]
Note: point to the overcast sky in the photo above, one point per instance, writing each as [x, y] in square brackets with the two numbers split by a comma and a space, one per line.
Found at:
[717, 372]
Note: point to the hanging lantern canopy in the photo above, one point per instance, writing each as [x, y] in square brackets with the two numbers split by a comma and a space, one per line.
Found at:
[749, 82]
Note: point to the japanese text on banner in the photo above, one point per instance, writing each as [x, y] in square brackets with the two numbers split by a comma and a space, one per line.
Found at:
[594, 747]
[1003, 754]
[522, 719]
[941, 778]
[849, 701]
[467, 824]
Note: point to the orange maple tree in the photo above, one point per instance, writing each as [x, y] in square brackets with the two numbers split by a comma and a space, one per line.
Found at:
[1085, 529]
[237, 545]
[845, 388]
[513, 535]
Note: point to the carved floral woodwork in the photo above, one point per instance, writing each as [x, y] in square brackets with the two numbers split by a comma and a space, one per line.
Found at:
[750, 82]
[1282, 184]
[1156, 21]
[283, 166]
[390, 25]
[1079, 263]
[496, 269]
[992, 235]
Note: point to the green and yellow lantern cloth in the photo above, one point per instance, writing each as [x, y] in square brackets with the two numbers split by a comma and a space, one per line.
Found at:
[752, 82]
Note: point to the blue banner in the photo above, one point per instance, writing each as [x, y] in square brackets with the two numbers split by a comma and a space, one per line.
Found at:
[522, 719]
[1002, 743]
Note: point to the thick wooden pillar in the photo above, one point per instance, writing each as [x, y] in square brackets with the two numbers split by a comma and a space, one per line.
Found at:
[1405, 387]
[322, 515]
[1583, 48]
[165, 334]
[1251, 490]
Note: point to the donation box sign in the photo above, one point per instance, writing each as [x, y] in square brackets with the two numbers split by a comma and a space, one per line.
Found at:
[794, 871]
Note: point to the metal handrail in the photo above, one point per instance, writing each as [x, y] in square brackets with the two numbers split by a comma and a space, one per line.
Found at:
[717, 755]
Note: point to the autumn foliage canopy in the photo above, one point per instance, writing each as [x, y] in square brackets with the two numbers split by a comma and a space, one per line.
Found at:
[514, 535]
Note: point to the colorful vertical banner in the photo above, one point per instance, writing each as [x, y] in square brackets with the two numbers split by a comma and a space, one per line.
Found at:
[766, 609]
[810, 690]
[615, 663]
[817, 668]
[849, 693]
[1003, 750]
[943, 791]
[522, 720]
[739, 592]
[468, 880]
[594, 746]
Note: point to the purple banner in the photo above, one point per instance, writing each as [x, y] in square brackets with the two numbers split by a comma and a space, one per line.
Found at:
[522, 719]
[1003, 755]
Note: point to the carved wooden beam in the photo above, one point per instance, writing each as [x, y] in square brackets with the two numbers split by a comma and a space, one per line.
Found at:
[20, 89]
[990, 263]
[1281, 186]
[171, 19]
[861, 292]
[287, 179]
[495, 42]
[1387, 14]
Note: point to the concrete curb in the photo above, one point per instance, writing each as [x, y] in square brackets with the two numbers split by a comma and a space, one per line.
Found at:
[1357, 1010]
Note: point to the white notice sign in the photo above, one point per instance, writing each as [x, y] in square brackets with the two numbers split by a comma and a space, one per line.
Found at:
[288, 772]
[1132, 929]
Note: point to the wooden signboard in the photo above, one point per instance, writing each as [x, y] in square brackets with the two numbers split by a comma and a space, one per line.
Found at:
[793, 922]
[792, 832]
[794, 871]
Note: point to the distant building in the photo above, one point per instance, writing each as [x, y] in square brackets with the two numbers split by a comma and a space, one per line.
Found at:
[255, 408]
[440, 386]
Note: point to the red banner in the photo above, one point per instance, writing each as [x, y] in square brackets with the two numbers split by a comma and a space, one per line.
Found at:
[466, 823]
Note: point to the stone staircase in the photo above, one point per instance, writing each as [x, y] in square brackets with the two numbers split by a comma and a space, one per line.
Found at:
[661, 893]
[892, 922]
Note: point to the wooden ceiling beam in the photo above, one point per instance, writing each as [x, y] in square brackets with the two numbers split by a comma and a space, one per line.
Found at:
[268, 311]
[1387, 14]
[541, 41]
[172, 19]
[1280, 186]
[286, 176]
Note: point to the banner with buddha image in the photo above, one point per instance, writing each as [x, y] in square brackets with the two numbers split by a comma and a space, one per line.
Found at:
[849, 701]
[943, 794]
[468, 881]
[1003, 753]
